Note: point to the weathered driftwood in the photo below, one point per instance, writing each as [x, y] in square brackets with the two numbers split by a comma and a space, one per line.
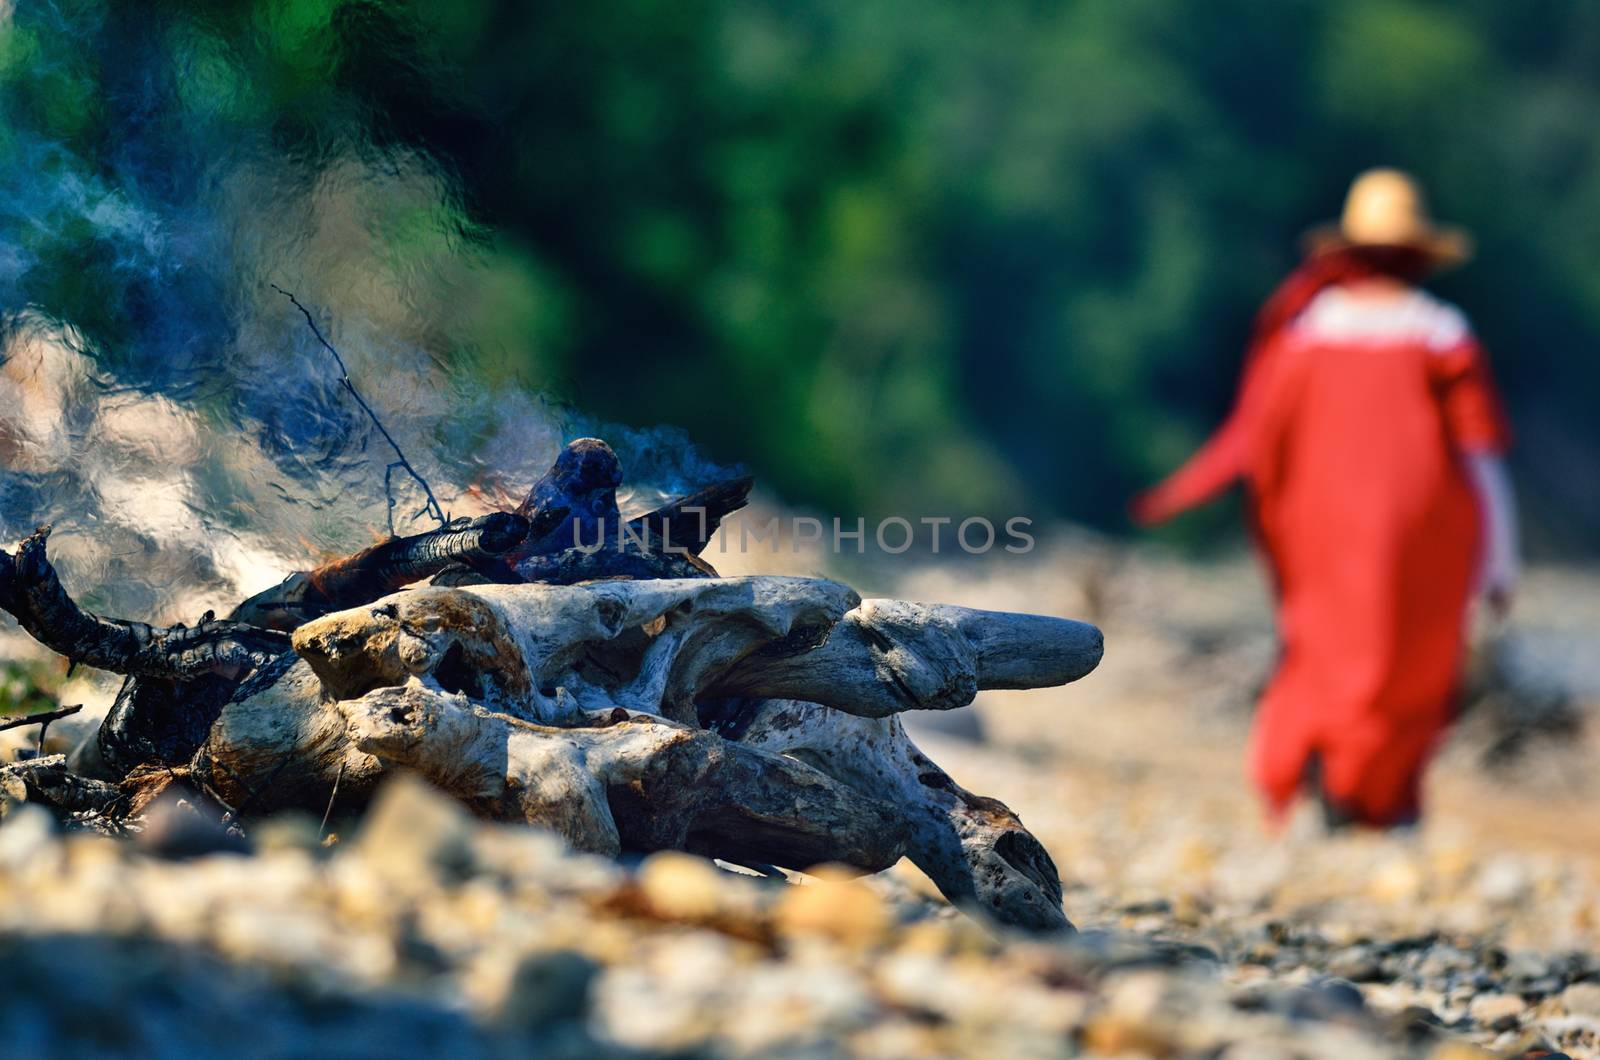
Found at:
[888, 656]
[974, 848]
[752, 719]
[515, 679]
[619, 780]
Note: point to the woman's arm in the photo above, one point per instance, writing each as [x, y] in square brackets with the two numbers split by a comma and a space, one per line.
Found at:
[1500, 566]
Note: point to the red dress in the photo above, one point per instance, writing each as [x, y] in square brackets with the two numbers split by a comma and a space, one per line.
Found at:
[1348, 431]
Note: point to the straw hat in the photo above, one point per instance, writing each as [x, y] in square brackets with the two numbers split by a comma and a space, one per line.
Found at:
[1385, 208]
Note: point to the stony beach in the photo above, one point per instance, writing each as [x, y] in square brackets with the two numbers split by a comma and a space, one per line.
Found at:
[418, 931]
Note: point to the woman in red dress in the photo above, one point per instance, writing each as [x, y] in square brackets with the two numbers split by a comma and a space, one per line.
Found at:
[1370, 437]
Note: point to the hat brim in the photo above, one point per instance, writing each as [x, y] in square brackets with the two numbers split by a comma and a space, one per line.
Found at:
[1444, 247]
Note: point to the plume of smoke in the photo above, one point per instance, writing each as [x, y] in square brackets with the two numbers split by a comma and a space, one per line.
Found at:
[160, 403]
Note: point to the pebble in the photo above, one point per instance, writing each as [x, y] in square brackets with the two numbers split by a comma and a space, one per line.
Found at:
[1498, 1012]
[836, 904]
[412, 833]
[1582, 999]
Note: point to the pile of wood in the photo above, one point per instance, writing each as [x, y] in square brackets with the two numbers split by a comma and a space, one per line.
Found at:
[622, 695]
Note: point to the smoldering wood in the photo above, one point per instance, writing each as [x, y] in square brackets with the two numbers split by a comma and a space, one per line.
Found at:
[609, 558]
[476, 544]
[623, 696]
[583, 480]
[593, 540]
[31, 592]
[689, 523]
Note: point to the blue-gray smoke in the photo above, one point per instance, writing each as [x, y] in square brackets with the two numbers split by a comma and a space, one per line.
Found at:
[160, 403]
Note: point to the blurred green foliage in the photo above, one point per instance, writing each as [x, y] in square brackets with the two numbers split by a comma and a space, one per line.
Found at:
[27, 688]
[930, 256]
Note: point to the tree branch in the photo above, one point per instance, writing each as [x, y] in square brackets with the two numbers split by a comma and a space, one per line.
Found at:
[32, 593]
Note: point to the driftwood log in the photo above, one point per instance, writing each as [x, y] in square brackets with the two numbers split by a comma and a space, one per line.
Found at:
[591, 675]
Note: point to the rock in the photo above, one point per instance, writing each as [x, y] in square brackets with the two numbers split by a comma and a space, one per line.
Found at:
[1336, 997]
[545, 988]
[1134, 1020]
[288, 831]
[1525, 966]
[1443, 961]
[28, 832]
[683, 887]
[1416, 1022]
[1498, 1012]
[1399, 882]
[1503, 880]
[1581, 999]
[178, 825]
[835, 903]
[1358, 964]
[413, 833]
[1459, 1050]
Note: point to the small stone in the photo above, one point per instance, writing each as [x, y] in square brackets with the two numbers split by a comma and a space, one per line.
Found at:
[682, 886]
[1459, 1050]
[177, 826]
[1498, 1012]
[28, 831]
[1525, 966]
[1132, 1019]
[546, 988]
[1503, 880]
[1582, 999]
[287, 831]
[1358, 964]
[835, 904]
[1399, 882]
[413, 830]
[1444, 961]
[1416, 1022]
[1112, 1035]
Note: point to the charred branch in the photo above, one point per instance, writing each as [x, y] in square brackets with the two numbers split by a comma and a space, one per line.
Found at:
[583, 481]
[688, 523]
[476, 544]
[48, 782]
[34, 596]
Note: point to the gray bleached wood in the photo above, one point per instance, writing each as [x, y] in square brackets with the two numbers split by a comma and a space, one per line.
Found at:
[751, 719]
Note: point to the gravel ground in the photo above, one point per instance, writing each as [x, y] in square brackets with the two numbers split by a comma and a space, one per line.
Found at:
[421, 932]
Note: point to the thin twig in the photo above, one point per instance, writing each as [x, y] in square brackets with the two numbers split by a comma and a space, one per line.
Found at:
[334, 794]
[44, 717]
[432, 507]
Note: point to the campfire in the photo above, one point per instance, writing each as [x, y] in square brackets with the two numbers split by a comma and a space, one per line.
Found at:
[560, 666]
